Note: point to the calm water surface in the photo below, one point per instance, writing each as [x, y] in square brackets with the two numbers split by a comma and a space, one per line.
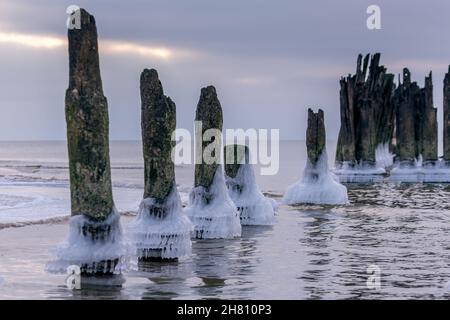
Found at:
[312, 252]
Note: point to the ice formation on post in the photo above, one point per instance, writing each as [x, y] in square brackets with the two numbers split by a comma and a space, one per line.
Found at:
[160, 231]
[95, 242]
[97, 247]
[367, 122]
[383, 156]
[254, 208]
[318, 185]
[416, 128]
[211, 209]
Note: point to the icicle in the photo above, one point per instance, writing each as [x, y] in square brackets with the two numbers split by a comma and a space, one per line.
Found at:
[96, 247]
[420, 171]
[318, 186]
[212, 211]
[254, 208]
[161, 231]
[384, 158]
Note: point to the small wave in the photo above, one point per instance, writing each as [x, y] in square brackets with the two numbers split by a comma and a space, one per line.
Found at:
[51, 220]
[401, 195]
[30, 179]
[273, 194]
[15, 202]
[128, 185]
[127, 167]
[63, 166]
[34, 222]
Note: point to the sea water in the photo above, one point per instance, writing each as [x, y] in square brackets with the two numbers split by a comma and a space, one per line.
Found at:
[310, 252]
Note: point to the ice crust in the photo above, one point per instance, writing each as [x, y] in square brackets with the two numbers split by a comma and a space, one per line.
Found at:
[212, 211]
[351, 173]
[253, 206]
[317, 186]
[383, 157]
[161, 230]
[438, 171]
[386, 168]
[82, 250]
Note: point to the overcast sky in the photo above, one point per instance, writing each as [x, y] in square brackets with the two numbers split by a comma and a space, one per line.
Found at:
[269, 60]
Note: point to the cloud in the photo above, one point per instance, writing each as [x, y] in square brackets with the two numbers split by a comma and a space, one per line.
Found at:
[149, 51]
[32, 41]
[255, 80]
[419, 65]
[39, 41]
[268, 64]
[133, 48]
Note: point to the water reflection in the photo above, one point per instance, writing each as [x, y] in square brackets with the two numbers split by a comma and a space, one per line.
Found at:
[219, 263]
[98, 288]
[401, 195]
[98, 291]
[312, 252]
[217, 269]
[319, 229]
[165, 280]
[408, 245]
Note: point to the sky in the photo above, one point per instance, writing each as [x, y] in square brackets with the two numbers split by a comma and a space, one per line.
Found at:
[269, 60]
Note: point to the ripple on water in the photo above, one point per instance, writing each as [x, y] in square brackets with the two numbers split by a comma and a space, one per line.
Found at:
[312, 252]
[401, 195]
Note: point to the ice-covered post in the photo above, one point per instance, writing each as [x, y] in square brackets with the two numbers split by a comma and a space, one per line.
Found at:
[210, 208]
[95, 219]
[160, 231]
[254, 208]
[317, 186]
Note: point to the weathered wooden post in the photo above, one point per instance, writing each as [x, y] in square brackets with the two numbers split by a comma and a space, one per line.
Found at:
[210, 208]
[416, 120]
[428, 125]
[405, 96]
[367, 114]
[254, 208]
[447, 117]
[317, 186]
[315, 137]
[95, 242]
[161, 231]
